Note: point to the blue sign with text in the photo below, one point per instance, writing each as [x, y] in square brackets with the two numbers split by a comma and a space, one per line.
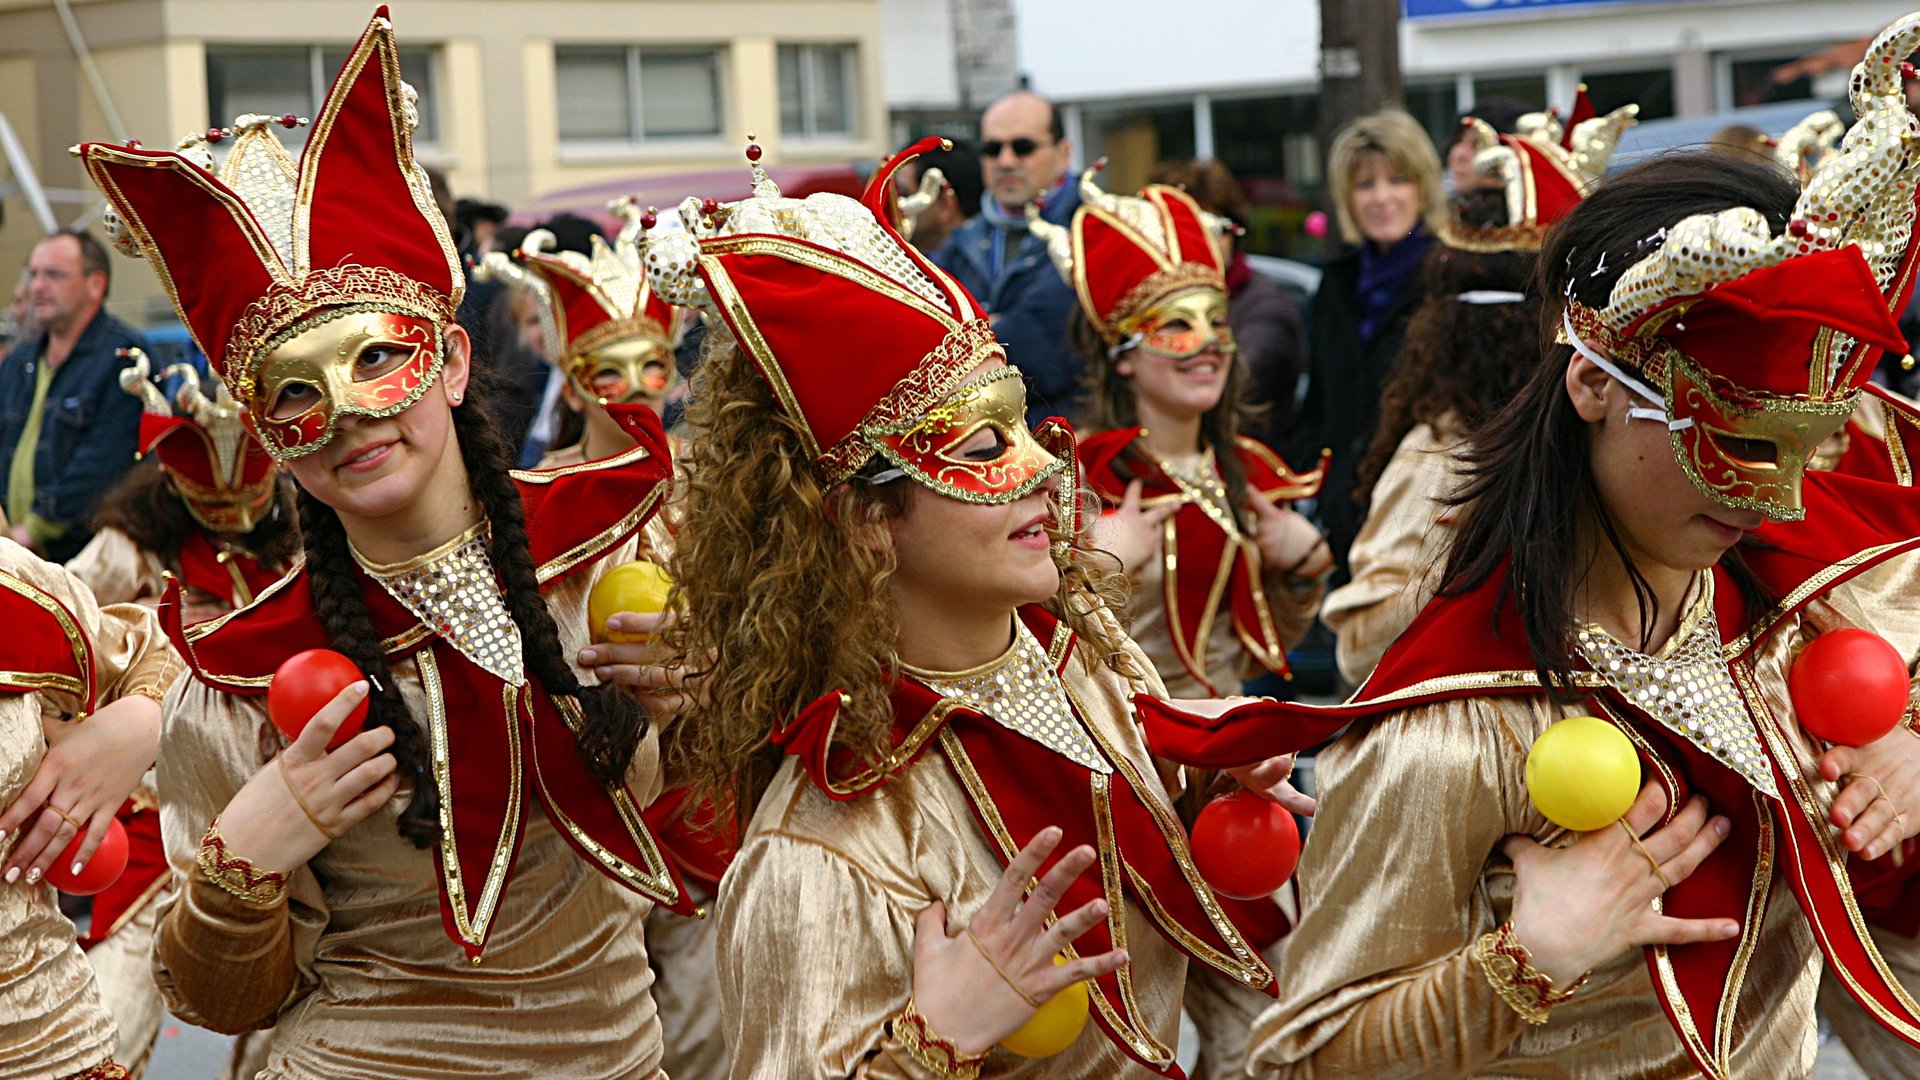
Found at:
[1437, 9]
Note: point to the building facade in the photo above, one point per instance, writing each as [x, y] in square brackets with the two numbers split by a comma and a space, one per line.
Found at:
[1237, 79]
[518, 97]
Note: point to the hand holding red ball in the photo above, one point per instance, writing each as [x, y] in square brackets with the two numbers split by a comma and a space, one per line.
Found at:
[108, 863]
[303, 685]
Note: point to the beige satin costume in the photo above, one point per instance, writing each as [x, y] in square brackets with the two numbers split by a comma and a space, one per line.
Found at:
[354, 969]
[119, 571]
[1403, 873]
[1400, 552]
[53, 1022]
[816, 916]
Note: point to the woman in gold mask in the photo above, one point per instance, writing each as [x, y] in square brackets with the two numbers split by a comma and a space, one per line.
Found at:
[1639, 544]
[1226, 575]
[457, 888]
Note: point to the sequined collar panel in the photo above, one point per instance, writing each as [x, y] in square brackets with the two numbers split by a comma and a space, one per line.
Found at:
[454, 592]
[1198, 479]
[1023, 693]
[1686, 687]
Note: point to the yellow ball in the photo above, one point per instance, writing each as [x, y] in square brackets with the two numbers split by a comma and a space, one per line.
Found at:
[1582, 773]
[1055, 1026]
[636, 586]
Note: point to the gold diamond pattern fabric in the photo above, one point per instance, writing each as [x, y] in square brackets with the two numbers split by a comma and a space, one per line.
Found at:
[454, 592]
[1687, 689]
[1023, 693]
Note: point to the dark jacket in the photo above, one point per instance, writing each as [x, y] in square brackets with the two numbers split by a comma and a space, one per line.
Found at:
[89, 435]
[1344, 379]
[1029, 303]
[1272, 339]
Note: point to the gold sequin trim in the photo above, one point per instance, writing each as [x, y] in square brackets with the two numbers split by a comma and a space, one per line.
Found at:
[1021, 692]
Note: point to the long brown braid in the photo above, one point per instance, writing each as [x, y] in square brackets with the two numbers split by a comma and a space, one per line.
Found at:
[613, 722]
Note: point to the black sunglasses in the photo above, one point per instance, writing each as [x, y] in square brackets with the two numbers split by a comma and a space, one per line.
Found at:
[1022, 147]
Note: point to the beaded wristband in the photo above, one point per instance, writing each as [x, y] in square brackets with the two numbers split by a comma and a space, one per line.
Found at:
[910, 1031]
[1510, 971]
[235, 874]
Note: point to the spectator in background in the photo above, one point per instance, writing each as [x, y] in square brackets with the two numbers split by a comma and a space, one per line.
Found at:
[1024, 155]
[67, 430]
[955, 205]
[1265, 318]
[19, 323]
[1499, 114]
[1388, 197]
[478, 220]
[480, 295]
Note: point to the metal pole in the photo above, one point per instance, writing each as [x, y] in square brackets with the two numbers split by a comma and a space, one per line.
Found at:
[85, 56]
[23, 174]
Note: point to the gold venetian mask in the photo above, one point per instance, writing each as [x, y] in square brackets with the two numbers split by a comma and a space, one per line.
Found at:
[362, 363]
[623, 371]
[933, 449]
[1183, 326]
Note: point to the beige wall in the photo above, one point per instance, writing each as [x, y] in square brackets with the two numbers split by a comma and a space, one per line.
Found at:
[494, 87]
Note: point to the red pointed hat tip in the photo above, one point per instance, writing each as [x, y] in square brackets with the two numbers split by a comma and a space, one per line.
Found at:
[381, 12]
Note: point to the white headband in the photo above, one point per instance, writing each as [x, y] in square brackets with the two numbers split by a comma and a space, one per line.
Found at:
[1626, 380]
[1490, 296]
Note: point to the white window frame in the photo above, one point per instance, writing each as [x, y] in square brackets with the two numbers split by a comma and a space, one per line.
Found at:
[599, 149]
[849, 52]
[320, 80]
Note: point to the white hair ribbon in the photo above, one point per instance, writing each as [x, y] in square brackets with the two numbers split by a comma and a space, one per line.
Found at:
[1624, 379]
[1490, 296]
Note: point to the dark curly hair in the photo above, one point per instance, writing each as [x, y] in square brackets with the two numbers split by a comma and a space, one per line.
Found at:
[145, 506]
[613, 721]
[1461, 361]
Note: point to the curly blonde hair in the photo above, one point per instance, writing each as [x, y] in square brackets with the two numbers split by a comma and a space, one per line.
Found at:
[786, 592]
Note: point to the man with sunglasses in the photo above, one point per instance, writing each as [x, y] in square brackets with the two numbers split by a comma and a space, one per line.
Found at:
[1024, 154]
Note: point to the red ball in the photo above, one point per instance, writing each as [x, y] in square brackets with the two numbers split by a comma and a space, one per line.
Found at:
[1245, 846]
[1849, 686]
[709, 205]
[304, 684]
[108, 863]
[754, 152]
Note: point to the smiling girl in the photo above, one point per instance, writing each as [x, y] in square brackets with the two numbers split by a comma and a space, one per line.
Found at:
[459, 888]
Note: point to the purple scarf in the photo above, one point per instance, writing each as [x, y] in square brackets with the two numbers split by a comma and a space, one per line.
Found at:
[1384, 276]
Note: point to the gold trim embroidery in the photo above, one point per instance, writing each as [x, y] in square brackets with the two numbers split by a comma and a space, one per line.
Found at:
[471, 925]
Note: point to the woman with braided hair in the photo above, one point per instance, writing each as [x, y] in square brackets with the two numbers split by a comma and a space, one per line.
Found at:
[459, 887]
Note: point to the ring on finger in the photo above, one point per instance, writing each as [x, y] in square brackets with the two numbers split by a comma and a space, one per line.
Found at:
[1652, 863]
[63, 815]
[1875, 781]
[302, 803]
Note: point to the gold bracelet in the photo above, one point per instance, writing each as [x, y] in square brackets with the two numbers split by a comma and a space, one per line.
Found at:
[1509, 969]
[910, 1030]
[235, 874]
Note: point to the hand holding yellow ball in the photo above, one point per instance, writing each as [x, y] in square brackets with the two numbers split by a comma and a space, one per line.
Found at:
[636, 586]
[1055, 1026]
[1583, 773]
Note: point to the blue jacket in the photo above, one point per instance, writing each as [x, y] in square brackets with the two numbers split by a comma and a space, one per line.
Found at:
[89, 435]
[1029, 301]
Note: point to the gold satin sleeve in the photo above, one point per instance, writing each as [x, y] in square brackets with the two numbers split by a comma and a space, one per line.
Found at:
[1401, 875]
[119, 571]
[816, 918]
[1397, 556]
[221, 962]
